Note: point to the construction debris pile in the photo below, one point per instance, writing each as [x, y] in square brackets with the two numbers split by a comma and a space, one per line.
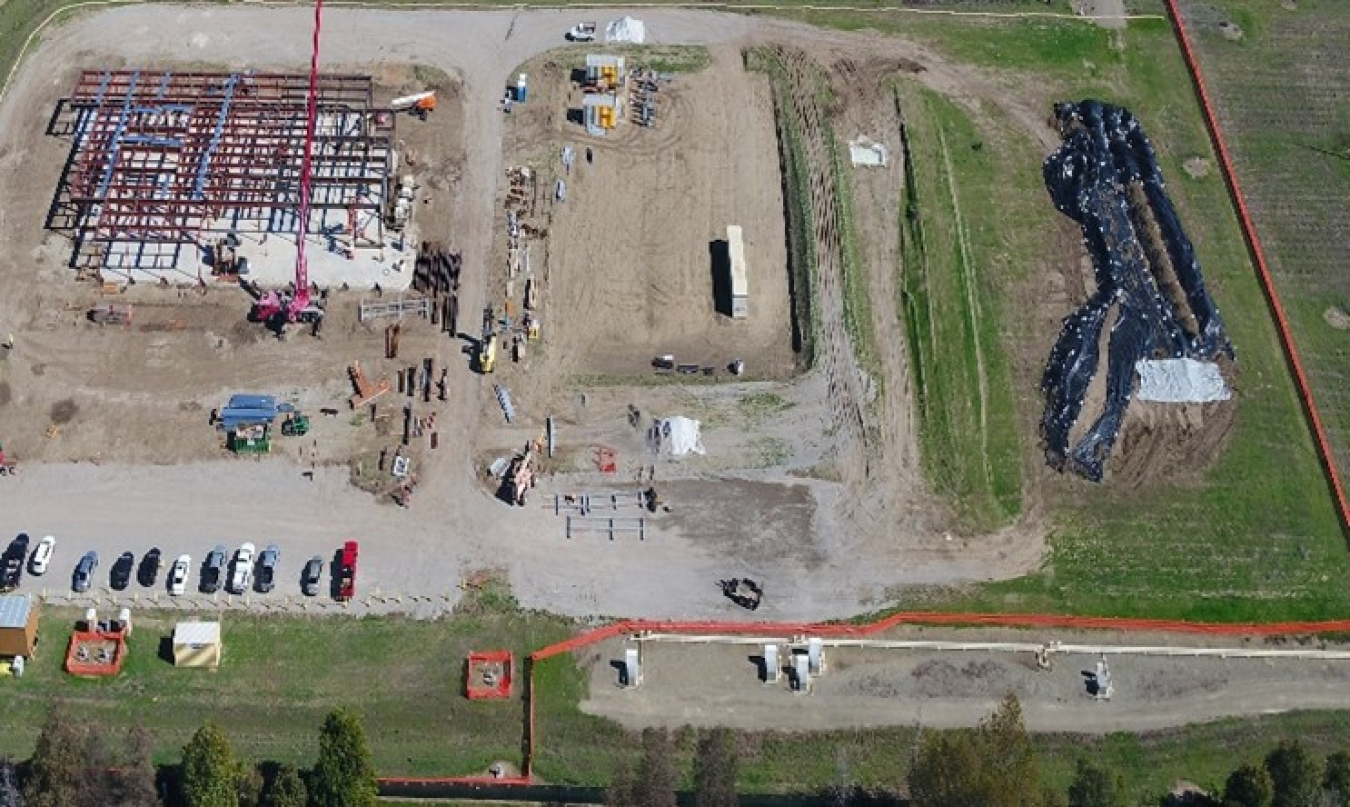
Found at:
[1106, 177]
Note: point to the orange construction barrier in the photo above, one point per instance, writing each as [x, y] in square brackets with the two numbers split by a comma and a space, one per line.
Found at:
[1263, 270]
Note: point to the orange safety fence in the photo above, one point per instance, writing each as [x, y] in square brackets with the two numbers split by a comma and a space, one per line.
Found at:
[1130, 624]
[838, 629]
[1262, 268]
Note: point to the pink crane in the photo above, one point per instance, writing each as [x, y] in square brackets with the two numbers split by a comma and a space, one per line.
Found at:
[282, 309]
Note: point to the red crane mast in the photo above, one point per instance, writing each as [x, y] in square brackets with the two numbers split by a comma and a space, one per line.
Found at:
[299, 307]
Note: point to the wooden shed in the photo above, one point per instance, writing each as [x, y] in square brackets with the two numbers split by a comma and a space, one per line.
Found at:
[196, 644]
[18, 625]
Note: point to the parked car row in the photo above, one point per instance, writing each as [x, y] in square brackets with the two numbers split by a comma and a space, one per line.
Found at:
[248, 569]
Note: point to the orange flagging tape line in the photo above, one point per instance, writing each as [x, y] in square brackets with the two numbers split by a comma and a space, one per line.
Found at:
[833, 629]
[1263, 270]
[1008, 620]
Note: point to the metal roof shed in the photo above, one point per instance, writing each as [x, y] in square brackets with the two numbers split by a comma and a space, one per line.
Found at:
[196, 644]
[18, 625]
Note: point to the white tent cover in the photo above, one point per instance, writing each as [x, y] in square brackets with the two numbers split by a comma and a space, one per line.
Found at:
[681, 436]
[1180, 381]
[865, 152]
[626, 29]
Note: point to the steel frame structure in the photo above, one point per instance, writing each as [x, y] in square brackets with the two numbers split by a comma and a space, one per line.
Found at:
[161, 160]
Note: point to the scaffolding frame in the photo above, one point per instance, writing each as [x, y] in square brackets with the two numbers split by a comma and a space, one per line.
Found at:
[161, 160]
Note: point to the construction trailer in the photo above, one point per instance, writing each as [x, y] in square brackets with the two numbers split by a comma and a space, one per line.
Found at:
[601, 113]
[197, 644]
[605, 72]
[162, 163]
[740, 288]
[18, 625]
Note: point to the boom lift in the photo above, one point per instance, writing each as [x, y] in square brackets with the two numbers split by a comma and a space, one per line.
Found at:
[284, 308]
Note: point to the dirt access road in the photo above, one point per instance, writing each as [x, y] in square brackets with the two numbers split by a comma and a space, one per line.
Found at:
[840, 539]
[718, 685]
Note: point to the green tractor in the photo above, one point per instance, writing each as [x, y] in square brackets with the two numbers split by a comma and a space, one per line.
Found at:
[296, 425]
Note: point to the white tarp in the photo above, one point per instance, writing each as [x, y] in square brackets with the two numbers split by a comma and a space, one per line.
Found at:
[680, 436]
[1180, 381]
[868, 153]
[626, 29]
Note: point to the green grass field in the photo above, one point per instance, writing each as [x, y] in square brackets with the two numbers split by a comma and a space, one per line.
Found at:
[1257, 537]
[281, 675]
[949, 268]
[1281, 92]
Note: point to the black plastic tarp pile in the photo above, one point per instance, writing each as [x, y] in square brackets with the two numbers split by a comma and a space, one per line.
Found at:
[1105, 153]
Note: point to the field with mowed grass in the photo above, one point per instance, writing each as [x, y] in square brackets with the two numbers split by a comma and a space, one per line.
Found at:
[282, 675]
[1280, 80]
[1255, 537]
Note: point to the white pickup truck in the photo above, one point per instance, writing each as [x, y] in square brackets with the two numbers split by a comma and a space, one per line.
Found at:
[582, 32]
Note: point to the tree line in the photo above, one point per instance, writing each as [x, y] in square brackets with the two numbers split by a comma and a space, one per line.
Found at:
[994, 764]
[74, 764]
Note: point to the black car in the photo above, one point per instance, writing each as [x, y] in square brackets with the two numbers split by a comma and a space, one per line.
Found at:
[84, 572]
[266, 575]
[310, 577]
[148, 572]
[212, 569]
[121, 571]
[11, 563]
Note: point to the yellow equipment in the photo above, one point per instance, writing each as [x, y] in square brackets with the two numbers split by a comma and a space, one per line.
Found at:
[487, 356]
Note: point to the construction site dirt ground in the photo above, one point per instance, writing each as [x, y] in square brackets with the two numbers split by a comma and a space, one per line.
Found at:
[784, 492]
[716, 684]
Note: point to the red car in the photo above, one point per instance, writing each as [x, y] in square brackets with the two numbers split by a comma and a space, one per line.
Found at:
[347, 571]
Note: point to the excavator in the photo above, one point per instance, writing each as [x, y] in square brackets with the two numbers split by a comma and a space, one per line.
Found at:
[279, 309]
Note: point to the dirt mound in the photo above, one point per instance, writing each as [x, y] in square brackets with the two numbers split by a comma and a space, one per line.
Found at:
[1337, 318]
[1161, 443]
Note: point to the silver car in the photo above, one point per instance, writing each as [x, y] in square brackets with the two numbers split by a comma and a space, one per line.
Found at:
[242, 573]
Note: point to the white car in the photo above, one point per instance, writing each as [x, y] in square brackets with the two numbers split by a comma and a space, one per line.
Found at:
[242, 572]
[42, 556]
[178, 575]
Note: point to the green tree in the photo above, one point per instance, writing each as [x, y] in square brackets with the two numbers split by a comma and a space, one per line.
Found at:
[248, 783]
[287, 789]
[210, 773]
[715, 769]
[994, 765]
[1096, 787]
[1248, 786]
[947, 771]
[622, 790]
[137, 782]
[1296, 774]
[1336, 779]
[655, 785]
[343, 775]
[55, 769]
[9, 784]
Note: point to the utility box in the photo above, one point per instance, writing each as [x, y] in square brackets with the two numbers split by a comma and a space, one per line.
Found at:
[740, 287]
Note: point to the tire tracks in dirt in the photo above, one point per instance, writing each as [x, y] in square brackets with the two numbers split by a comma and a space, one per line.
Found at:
[805, 82]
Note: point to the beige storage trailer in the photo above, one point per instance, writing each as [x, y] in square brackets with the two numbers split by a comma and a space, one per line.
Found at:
[196, 644]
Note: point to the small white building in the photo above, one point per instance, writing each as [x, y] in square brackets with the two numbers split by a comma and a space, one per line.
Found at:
[740, 286]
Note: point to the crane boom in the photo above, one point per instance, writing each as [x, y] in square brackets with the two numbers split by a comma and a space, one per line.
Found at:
[279, 309]
[301, 299]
